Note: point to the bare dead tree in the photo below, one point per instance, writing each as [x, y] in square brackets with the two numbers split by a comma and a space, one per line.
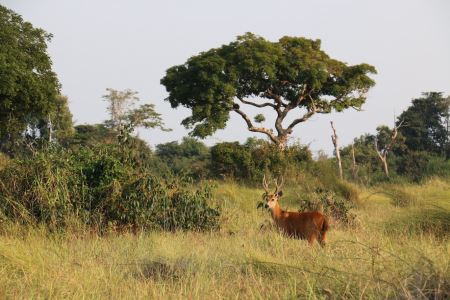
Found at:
[334, 139]
[354, 166]
[50, 129]
[383, 153]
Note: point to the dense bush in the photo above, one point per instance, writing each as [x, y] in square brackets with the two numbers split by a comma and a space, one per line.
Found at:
[413, 165]
[254, 158]
[331, 204]
[326, 173]
[419, 165]
[231, 160]
[102, 187]
[190, 157]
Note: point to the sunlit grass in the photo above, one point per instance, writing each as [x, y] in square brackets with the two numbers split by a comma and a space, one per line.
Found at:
[239, 261]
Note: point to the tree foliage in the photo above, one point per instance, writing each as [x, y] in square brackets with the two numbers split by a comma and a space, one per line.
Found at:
[125, 118]
[425, 128]
[123, 114]
[250, 161]
[293, 74]
[190, 157]
[28, 86]
[59, 123]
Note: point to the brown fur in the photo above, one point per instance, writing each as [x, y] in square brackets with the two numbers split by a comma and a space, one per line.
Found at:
[305, 225]
[311, 226]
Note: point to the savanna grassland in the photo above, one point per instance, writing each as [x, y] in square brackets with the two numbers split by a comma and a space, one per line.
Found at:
[395, 250]
[92, 211]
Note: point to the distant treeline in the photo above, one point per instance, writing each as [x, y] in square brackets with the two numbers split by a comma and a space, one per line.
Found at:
[421, 150]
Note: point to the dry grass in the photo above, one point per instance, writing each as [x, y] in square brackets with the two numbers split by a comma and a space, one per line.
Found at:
[240, 261]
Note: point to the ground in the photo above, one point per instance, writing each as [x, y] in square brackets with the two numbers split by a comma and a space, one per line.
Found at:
[393, 252]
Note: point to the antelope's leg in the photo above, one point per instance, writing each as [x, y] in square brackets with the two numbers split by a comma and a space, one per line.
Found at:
[312, 237]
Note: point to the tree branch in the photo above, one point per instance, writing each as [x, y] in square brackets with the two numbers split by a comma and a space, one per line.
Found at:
[382, 157]
[283, 113]
[252, 128]
[277, 98]
[258, 105]
[393, 138]
[305, 117]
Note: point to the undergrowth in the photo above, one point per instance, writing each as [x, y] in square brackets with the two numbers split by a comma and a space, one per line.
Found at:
[103, 189]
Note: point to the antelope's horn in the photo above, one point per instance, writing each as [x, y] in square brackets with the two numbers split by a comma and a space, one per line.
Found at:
[279, 186]
[265, 185]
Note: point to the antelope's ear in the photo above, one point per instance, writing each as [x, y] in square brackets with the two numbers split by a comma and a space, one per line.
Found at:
[280, 193]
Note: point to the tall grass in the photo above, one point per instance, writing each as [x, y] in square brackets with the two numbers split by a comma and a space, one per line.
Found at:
[239, 261]
[103, 188]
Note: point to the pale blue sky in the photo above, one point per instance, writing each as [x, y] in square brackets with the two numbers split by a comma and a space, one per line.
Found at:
[101, 44]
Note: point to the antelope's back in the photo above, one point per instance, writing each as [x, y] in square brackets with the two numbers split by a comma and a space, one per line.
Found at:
[304, 223]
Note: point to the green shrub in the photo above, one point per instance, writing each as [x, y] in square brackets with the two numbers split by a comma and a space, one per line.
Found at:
[101, 187]
[331, 204]
[41, 188]
[438, 166]
[167, 204]
[266, 157]
[413, 165]
[253, 159]
[325, 171]
[231, 160]
[190, 157]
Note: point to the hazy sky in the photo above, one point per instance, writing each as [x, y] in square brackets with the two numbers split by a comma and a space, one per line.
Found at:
[101, 44]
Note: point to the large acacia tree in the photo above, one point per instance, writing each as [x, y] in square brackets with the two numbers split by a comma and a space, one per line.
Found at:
[291, 76]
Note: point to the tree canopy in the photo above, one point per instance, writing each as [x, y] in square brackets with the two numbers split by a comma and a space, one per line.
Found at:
[293, 74]
[28, 86]
[425, 124]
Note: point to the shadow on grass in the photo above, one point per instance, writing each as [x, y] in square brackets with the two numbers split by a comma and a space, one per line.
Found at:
[434, 221]
[161, 270]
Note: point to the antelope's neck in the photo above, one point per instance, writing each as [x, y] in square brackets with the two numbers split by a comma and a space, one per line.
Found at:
[277, 212]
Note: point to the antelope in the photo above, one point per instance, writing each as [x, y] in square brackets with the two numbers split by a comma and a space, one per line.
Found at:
[300, 225]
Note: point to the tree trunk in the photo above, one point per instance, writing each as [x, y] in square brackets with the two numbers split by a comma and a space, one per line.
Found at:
[354, 167]
[282, 142]
[334, 139]
[385, 166]
[50, 130]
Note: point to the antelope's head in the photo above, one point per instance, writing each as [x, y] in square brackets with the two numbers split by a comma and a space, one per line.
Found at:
[271, 199]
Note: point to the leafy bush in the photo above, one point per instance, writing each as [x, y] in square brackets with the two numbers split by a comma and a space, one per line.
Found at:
[413, 164]
[39, 188]
[167, 204]
[438, 166]
[231, 160]
[190, 157]
[331, 204]
[256, 157]
[267, 157]
[325, 171]
[104, 188]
